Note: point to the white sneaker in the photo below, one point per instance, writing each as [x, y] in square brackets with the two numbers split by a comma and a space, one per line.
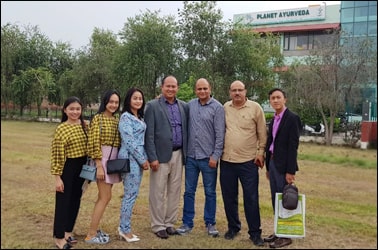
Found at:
[184, 229]
[211, 230]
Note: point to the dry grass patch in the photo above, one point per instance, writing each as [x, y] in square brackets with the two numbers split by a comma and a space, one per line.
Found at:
[341, 200]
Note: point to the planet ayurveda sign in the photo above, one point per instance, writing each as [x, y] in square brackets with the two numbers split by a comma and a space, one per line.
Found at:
[310, 13]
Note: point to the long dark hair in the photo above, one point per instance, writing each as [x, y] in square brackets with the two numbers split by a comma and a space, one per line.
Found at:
[126, 103]
[105, 100]
[70, 100]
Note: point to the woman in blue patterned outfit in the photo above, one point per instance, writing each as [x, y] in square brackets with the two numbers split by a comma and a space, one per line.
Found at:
[132, 130]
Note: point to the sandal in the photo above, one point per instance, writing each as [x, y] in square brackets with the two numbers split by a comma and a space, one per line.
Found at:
[66, 246]
[97, 240]
[71, 240]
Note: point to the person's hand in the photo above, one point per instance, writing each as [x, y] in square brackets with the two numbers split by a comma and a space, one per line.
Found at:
[290, 178]
[100, 174]
[212, 163]
[146, 165]
[154, 165]
[259, 161]
[59, 185]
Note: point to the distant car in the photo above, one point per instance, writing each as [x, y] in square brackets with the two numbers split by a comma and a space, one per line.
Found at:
[353, 117]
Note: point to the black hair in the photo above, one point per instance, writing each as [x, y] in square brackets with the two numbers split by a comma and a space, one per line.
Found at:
[105, 100]
[70, 100]
[277, 89]
[126, 103]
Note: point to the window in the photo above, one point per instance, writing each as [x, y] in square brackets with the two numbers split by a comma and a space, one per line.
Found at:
[361, 14]
[302, 42]
[347, 15]
[361, 3]
[347, 4]
[372, 28]
[286, 43]
[321, 39]
[360, 28]
[347, 28]
[305, 40]
[373, 13]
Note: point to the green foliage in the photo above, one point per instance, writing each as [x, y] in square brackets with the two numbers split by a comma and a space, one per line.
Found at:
[269, 117]
[349, 160]
[148, 52]
[185, 92]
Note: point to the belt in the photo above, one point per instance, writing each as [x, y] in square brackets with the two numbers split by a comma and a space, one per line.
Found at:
[176, 148]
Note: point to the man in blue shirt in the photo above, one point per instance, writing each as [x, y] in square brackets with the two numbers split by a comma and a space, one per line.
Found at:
[205, 144]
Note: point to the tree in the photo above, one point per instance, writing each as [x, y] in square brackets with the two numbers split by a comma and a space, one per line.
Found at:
[148, 52]
[222, 52]
[92, 72]
[333, 75]
[12, 40]
[201, 32]
[21, 52]
[252, 58]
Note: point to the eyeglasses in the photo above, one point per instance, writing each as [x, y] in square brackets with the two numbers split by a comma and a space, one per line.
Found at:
[237, 90]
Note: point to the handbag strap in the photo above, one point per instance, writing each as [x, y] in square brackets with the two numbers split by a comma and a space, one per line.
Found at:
[115, 133]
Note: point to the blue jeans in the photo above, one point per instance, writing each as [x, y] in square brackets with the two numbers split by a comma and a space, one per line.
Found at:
[209, 177]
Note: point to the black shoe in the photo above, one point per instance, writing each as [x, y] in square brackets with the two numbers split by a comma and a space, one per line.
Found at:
[172, 231]
[257, 241]
[280, 242]
[230, 235]
[270, 238]
[162, 234]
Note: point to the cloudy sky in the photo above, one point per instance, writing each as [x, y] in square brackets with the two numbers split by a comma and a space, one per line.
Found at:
[74, 21]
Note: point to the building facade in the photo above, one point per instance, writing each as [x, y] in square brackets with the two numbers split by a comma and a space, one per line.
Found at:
[301, 29]
[358, 19]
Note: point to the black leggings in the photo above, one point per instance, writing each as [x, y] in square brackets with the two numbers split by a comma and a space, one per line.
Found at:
[67, 204]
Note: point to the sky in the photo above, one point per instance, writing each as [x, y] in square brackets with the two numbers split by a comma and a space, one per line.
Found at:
[74, 21]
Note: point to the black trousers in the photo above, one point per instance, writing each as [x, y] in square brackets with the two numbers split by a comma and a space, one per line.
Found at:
[248, 175]
[67, 204]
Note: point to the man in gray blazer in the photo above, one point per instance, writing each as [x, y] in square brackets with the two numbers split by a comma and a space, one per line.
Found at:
[166, 145]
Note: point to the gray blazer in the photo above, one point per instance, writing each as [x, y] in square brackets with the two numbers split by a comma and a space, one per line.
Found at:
[158, 138]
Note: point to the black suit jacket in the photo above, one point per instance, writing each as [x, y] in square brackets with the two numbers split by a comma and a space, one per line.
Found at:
[285, 144]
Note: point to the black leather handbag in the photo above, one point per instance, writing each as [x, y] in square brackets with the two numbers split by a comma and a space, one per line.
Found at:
[290, 196]
[117, 166]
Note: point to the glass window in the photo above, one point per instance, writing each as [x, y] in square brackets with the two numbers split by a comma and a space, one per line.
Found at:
[372, 3]
[360, 28]
[372, 28]
[373, 13]
[361, 14]
[302, 42]
[361, 3]
[347, 28]
[286, 42]
[347, 4]
[293, 43]
[310, 41]
[347, 15]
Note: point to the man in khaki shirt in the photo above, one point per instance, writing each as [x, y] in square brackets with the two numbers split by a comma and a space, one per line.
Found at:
[243, 154]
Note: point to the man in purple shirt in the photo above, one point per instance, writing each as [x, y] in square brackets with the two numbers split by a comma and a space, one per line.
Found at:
[166, 146]
[281, 152]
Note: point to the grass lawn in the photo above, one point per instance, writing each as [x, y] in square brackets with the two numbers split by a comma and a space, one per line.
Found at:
[340, 185]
